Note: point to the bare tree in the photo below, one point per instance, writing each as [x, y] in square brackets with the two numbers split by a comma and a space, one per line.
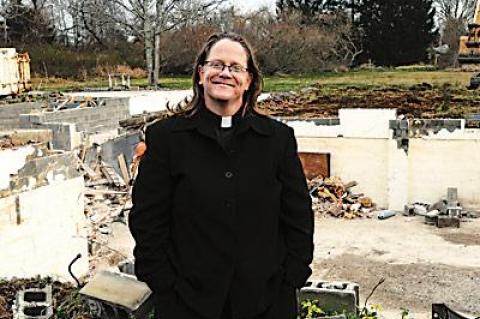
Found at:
[458, 9]
[148, 20]
[453, 16]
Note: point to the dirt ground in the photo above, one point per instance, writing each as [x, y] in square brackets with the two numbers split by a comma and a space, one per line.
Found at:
[419, 101]
[421, 264]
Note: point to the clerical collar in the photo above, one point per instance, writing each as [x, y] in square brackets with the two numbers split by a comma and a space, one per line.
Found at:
[218, 121]
[226, 122]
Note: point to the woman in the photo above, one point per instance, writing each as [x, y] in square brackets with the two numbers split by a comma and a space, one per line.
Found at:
[221, 214]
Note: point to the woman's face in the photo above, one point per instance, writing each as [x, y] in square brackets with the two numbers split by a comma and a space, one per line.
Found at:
[221, 83]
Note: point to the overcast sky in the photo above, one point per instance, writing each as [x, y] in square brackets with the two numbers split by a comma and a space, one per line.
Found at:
[248, 5]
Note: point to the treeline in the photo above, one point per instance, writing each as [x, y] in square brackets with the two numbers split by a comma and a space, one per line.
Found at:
[82, 38]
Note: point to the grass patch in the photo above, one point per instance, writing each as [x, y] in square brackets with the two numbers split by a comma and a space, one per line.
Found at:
[328, 80]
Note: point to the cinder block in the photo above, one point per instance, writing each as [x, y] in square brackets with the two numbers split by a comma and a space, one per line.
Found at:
[447, 221]
[332, 296]
[33, 303]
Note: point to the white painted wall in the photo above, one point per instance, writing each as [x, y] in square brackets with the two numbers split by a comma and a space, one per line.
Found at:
[368, 154]
[363, 160]
[51, 233]
[436, 164]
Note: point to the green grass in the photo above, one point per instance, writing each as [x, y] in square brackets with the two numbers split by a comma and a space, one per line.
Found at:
[367, 79]
[328, 80]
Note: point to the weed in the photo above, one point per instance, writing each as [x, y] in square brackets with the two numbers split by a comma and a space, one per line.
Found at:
[309, 309]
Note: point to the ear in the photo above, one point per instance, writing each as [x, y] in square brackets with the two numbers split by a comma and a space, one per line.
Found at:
[201, 73]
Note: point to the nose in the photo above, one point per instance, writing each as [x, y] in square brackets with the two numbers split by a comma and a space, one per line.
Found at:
[226, 71]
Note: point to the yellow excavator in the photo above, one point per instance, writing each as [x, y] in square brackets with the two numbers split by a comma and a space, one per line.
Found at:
[469, 48]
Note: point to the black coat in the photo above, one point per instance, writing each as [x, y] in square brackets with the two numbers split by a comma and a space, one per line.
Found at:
[211, 220]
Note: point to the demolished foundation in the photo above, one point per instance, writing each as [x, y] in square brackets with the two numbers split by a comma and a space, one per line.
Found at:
[42, 221]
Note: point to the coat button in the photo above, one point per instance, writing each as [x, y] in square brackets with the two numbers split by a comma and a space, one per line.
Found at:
[228, 174]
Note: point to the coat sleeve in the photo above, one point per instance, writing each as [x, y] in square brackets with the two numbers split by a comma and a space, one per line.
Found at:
[297, 216]
[149, 218]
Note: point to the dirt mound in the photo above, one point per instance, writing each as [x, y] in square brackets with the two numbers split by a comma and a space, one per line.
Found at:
[419, 101]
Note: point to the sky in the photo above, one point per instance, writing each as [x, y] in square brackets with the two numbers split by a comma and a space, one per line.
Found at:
[249, 5]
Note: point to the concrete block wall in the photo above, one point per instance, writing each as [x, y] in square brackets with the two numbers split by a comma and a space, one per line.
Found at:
[89, 120]
[441, 154]
[10, 113]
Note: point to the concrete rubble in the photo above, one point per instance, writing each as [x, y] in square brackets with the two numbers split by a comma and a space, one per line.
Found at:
[71, 160]
[446, 212]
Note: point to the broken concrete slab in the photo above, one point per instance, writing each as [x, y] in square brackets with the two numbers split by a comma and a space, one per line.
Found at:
[118, 296]
[40, 171]
[43, 230]
[41, 193]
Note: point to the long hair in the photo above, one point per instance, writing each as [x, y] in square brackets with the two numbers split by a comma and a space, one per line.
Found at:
[249, 96]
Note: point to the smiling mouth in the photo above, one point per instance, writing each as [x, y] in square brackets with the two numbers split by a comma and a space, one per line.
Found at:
[222, 83]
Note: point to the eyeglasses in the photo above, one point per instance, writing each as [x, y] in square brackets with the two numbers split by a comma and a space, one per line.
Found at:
[220, 66]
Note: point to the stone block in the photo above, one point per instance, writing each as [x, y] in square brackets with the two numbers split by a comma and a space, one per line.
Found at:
[332, 296]
[64, 135]
[447, 221]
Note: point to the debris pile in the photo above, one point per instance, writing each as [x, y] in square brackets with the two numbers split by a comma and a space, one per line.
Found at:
[8, 141]
[136, 122]
[444, 213]
[107, 200]
[333, 197]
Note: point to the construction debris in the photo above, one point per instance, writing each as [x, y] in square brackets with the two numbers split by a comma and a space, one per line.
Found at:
[107, 199]
[444, 213]
[331, 196]
[384, 214]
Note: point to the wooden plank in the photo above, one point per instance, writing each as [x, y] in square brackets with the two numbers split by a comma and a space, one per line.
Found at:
[123, 168]
[103, 192]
